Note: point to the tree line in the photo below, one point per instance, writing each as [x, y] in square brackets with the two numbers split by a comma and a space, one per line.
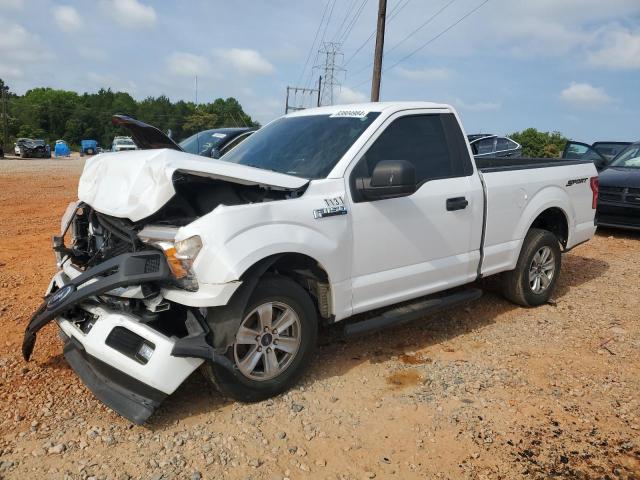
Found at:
[52, 114]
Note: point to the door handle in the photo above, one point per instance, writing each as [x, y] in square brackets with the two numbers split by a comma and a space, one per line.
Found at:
[457, 203]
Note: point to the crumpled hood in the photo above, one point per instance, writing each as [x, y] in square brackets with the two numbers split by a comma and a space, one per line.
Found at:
[135, 184]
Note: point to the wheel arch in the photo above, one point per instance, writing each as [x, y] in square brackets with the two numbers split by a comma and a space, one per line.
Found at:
[303, 269]
[554, 220]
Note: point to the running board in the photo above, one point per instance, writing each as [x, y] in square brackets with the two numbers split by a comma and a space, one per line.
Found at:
[412, 311]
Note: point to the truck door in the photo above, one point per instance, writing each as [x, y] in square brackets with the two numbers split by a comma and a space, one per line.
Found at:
[429, 240]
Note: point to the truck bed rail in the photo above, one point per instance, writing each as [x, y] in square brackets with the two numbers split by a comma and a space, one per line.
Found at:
[503, 164]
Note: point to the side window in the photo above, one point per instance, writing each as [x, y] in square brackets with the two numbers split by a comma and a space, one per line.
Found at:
[233, 143]
[503, 144]
[484, 146]
[419, 139]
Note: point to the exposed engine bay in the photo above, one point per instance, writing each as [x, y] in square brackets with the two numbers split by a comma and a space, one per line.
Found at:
[96, 237]
[198, 195]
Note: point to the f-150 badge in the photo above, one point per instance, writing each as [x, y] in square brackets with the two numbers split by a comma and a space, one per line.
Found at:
[334, 206]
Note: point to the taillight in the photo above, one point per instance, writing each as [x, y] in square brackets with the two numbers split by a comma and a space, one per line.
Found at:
[595, 189]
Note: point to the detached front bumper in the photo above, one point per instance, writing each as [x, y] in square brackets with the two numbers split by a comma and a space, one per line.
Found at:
[124, 394]
[121, 271]
[126, 364]
[107, 360]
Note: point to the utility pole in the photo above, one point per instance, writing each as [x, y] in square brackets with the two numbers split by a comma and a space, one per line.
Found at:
[4, 97]
[377, 59]
[299, 98]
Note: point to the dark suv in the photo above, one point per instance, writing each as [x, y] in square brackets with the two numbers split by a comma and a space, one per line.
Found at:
[619, 200]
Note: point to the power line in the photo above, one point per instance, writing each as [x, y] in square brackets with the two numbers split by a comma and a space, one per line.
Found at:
[397, 9]
[394, 12]
[360, 48]
[353, 21]
[429, 20]
[344, 20]
[324, 12]
[324, 33]
[431, 40]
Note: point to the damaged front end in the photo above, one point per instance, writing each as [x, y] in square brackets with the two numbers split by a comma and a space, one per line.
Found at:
[128, 344]
[135, 318]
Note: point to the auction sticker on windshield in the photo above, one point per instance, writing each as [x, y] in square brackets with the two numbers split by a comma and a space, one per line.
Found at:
[219, 135]
[349, 114]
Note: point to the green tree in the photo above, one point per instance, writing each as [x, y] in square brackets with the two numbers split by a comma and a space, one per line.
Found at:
[52, 114]
[198, 121]
[540, 144]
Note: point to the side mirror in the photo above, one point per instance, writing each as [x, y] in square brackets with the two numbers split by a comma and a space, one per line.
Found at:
[215, 153]
[390, 179]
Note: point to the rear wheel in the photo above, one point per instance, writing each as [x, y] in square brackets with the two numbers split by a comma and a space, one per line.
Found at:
[533, 280]
[274, 343]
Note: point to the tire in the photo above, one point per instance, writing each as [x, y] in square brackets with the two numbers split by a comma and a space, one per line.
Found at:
[285, 296]
[89, 151]
[519, 285]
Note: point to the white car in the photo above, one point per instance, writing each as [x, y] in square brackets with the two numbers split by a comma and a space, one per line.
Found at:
[121, 144]
[179, 262]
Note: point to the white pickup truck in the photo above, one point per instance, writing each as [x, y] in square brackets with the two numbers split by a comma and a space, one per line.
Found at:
[169, 261]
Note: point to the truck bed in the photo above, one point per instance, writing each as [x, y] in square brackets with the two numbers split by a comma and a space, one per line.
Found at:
[518, 189]
[499, 164]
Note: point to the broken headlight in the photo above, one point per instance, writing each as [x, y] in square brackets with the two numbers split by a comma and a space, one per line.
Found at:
[180, 254]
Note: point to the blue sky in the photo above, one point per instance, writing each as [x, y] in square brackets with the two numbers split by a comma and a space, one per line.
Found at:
[567, 65]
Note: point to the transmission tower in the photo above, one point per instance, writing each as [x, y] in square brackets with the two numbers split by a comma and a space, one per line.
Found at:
[333, 58]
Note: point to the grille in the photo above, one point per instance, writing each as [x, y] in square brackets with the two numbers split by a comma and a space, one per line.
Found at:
[620, 195]
[152, 264]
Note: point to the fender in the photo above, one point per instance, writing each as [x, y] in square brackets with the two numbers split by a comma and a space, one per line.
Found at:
[548, 197]
[224, 321]
[237, 237]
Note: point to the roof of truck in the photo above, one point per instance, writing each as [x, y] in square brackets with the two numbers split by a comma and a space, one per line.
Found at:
[367, 107]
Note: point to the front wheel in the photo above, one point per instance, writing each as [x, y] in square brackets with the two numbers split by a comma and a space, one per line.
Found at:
[533, 280]
[274, 343]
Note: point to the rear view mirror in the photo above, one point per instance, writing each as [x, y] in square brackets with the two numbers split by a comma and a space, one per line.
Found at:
[390, 179]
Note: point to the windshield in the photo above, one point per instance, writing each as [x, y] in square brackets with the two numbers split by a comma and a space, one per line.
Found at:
[629, 158]
[123, 141]
[307, 146]
[202, 142]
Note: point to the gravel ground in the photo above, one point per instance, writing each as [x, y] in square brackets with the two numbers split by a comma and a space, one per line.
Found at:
[489, 390]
